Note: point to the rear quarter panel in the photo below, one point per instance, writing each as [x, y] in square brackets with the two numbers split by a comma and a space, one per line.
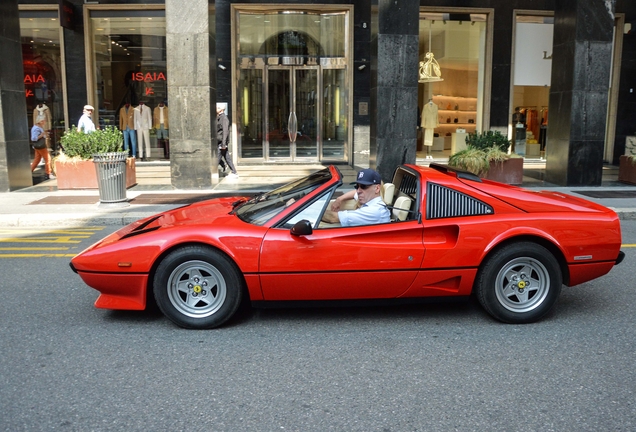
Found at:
[586, 235]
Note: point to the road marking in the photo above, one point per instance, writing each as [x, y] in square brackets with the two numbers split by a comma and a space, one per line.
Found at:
[628, 245]
[32, 248]
[63, 241]
[37, 255]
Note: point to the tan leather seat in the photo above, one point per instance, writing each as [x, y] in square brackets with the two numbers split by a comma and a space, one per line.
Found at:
[388, 190]
[401, 208]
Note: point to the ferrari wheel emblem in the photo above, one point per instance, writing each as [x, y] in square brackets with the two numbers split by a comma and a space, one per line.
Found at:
[521, 285]
[197, 289]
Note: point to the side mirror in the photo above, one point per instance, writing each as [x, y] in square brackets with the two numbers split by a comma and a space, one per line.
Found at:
[302, 228]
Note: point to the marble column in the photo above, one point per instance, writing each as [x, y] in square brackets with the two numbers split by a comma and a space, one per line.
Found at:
[394, 69]
[191, 94]
[581, 65]
[15, 155]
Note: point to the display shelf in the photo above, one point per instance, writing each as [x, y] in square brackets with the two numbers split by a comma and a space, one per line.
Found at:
[455, 112]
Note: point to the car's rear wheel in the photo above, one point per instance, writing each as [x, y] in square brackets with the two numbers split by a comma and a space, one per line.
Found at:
[197, 287]
[519, 283]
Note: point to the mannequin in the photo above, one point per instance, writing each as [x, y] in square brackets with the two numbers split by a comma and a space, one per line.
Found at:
[127, 127]
[143, 123]
[160, 123]
[43, 111]
[430, 121]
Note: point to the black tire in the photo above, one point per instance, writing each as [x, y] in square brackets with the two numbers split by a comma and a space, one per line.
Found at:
[519, 283]
[197, 287]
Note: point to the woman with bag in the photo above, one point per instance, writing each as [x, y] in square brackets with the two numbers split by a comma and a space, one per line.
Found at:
[38, 142]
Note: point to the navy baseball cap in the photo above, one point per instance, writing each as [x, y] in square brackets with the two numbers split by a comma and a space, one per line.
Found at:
[368, 177]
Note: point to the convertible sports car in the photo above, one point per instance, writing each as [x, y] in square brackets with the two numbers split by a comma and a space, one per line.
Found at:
[452, 234]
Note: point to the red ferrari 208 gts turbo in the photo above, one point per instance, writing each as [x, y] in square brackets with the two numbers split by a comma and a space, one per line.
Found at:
[451, 234]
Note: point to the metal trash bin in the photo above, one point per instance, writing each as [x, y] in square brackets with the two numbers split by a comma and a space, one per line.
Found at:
[111, 176]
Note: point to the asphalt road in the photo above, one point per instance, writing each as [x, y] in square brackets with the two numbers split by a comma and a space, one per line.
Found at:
[68, 366]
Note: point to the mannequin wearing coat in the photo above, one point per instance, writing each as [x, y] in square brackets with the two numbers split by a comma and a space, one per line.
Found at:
[127, 127]
[161, 125]
[143, 123]
[42, 111]
[430, 121]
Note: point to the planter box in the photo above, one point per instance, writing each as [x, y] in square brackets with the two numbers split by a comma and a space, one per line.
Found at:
[626, 170]
[510, 171]
[82, 174]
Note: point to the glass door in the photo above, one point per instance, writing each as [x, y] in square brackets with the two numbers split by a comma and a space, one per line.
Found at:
[292, 113]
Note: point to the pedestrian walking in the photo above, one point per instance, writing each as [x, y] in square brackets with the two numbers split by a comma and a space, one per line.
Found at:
[223, 139]
[38, 142]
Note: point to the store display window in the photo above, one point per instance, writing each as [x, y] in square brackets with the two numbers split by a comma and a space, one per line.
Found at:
[43, 76]
[531, 83]
[129, 81]
[452, 69]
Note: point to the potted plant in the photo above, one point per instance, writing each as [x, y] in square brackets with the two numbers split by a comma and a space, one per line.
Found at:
[627, 163]
[74, 166]
[486, 155]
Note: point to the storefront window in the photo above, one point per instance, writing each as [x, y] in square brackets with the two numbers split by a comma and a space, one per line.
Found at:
[531, 84]
[129, 57]
[41, 57]
[452, 52]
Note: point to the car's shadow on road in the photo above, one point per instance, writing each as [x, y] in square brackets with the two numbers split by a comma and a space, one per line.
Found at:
[458, 310]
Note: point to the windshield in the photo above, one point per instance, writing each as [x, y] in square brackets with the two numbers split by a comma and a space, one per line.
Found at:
[265, 206]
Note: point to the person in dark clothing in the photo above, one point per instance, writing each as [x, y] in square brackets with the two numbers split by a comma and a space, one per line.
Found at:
[223, 139]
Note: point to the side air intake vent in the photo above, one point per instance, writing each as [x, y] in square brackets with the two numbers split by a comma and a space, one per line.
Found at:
[443, 202]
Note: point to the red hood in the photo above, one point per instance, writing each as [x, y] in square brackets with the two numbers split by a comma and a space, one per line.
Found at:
[196, 213]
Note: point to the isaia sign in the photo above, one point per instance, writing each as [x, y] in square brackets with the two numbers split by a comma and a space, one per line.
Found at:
[148, 78]
[30, 79]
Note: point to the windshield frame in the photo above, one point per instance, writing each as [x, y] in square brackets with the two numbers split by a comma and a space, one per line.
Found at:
[265, 207]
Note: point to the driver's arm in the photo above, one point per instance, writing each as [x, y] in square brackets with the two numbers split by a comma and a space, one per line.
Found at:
[342, 198]
[330, 217]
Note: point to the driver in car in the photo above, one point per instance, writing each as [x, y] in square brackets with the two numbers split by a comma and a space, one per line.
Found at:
[371, 210]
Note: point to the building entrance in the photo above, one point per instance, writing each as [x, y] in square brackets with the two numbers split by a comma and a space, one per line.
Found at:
[292, 98]
[292, 113]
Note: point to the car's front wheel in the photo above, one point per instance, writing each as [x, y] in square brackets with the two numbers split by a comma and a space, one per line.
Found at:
[197, 287]
[519, 283]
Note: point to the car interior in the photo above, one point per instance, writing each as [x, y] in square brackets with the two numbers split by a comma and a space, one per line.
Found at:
[399, 196]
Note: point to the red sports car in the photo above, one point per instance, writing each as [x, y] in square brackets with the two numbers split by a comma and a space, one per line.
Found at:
[452, 234]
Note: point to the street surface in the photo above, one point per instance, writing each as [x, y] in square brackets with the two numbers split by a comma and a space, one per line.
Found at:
[68, 366]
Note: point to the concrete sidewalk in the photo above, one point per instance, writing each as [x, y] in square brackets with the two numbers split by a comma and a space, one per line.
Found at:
[45, 205]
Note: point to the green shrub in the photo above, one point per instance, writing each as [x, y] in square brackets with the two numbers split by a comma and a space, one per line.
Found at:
[488, 139]
[84, 146]
[470, 159]
[481, 149]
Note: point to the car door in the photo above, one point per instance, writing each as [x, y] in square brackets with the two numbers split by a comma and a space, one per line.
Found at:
[365, 262]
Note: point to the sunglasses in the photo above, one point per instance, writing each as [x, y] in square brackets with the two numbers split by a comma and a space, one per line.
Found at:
[361, 186]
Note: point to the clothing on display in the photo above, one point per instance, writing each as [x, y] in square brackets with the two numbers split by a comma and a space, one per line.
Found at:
[160, 121]
[161, 125]
[143, 123]
[41, 110]
[430, 120]
[127, 127]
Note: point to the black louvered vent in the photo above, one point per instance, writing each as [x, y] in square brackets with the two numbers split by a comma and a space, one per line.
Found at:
[443, 202]
[408, 185]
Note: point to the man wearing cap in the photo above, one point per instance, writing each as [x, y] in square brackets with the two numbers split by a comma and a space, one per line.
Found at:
[85, 123]
[372, 209]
